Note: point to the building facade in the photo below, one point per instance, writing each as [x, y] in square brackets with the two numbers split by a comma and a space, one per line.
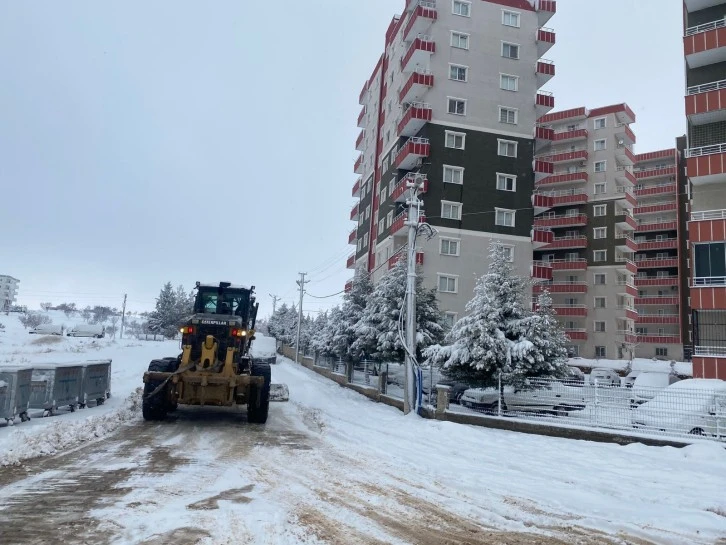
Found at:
[8, 291]
[453, 100]
[704, 44]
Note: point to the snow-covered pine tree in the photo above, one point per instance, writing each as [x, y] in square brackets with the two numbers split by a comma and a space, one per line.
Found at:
[326, 344]
[184, 302]
[352, 309]
[317, 341]
[479, 345]
[275, 325]
[164, 317]
[378, 330]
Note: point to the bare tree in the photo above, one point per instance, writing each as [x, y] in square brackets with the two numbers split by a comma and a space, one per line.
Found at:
[114, 320]
[33, 319]
[46, 306]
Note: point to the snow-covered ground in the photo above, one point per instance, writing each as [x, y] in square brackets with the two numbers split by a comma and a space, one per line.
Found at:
[331, 466]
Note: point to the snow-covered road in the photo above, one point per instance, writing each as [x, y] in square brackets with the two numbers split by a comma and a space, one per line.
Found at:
[333, 467]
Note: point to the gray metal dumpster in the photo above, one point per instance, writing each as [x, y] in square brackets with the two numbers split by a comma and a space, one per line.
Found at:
[56, 385]
[96, 382]
[15, 396]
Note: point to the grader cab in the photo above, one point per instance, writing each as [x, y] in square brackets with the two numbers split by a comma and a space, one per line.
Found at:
[214, 367]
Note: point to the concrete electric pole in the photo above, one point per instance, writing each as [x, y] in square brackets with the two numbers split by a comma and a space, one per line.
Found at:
[275, 299]
[123, 319]
[300, 283]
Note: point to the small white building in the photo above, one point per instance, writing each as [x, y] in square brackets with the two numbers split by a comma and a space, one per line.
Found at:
[8, 291]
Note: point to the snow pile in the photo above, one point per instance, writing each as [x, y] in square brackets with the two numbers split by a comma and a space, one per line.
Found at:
[64, 434]
[683, 368]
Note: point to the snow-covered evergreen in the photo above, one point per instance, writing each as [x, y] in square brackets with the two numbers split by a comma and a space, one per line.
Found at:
[351, 313]
[172, 306]
[378, 331]
[500, 333]
[283, 324]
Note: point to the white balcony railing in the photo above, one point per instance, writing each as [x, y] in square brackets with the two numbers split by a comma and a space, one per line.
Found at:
[709, 281]
[706, 87]
[708, 215]
[713, 25]
[562, 193]
[718, 351]
[706, 150]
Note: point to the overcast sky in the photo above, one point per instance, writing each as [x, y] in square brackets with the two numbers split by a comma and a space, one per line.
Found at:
[142, 142]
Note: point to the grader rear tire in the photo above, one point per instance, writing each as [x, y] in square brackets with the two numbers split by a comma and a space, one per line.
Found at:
[156, 407]
[257, 410]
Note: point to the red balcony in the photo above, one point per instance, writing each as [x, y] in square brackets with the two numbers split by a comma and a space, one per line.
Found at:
[416, 115]
[705, 103]
[569, 264]
[353, 236]
[571, 115]
[541, 237]
[350, 263]
[544, 133]
[567, 242]
[356, 188]
[418, 54]
[656, 281]
[551, 199]
[354, 213]
[625, 133]
[540, 271]
[398, 224]
[419, 258]
[576, 334]
[400, 190]
[654, 339]
[705, 44]
[707, 297]
[545, 71]
[411, 152]
[656, 208]
[631, 314]
[544, 102]
[707, 226]
[402, 255]
[650, 173]
[423, 16]
[660, 300]
[624, 176]
[570, 310]
[418, 83]
[566, 220]
[627, 266]
[545, 40]
[657, 263]
[627, 289]
[358, 167]
[624, 243]
[566, 157]
[625, 222]
[622, 112]
[668, 244]
[654, 190]
[362, 118]
[630, 201]
[542, 169]
[545, 11]
[658, 319]
[624, 156]
[359, 140]
[709, 363]
[561, 287]
[348, 286]
[570, 136]
[555, 179]
[707, 164]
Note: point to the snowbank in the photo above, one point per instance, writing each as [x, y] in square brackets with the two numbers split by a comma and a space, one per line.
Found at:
[683, 368]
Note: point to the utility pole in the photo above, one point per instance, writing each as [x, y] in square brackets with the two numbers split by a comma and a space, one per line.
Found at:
[412, 222]
[275, 299]
[123, 319]
[300, 283]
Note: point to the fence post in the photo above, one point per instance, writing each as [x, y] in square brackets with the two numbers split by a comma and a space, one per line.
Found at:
[718, 417]
[382, 381]
[349, 371]
[597, 404]
[499, 395]
[366, 371]
[442, 399]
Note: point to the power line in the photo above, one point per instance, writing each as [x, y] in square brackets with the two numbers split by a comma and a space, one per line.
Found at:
[325, 296]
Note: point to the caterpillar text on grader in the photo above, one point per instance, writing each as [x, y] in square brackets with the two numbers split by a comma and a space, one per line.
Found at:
[215, 366]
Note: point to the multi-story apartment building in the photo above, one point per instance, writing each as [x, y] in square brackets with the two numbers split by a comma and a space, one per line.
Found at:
[453, 100]
[583, 232]
[8, 291]
[704, 45]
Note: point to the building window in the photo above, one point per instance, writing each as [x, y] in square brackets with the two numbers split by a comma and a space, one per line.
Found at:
[601, 123]
[600, 279]
[448, 284]
[600, 189]
[456, 106]
[507, 115]
[389, 218]
[510, 51]
[504, 217]
[508, 252]
[455, 140]
[600, 352]
[461, 8]
[450, 319]
[600, 210]
[450, 210]
[449, 246]
[600, 232]
[508, 83]
[458, 72]
[661, 352]
[600, 255]
[381, 225]
[459, 40]
[600, 145]
[453, 175]
[710, 262]
[510, 18]
[600, 302]
[507, 148]
[365, 240]
[599, 327]
[600, 166]
[506, 182]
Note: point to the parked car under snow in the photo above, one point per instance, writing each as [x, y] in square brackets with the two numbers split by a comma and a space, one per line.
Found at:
[550, 396]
